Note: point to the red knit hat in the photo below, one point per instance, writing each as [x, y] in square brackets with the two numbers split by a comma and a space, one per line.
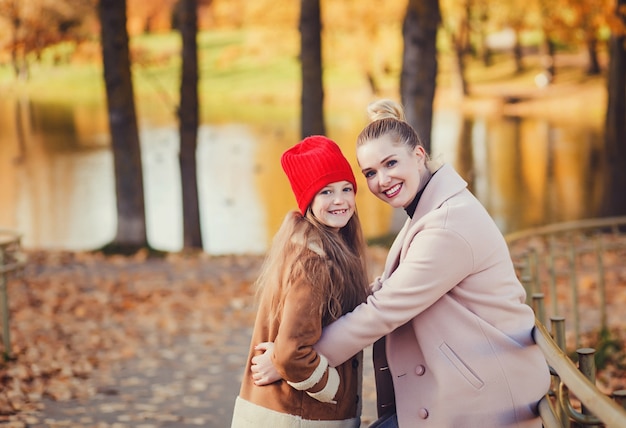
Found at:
[312, 164]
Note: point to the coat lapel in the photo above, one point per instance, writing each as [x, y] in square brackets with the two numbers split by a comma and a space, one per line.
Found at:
[393, 257]
[442, 186]
[446, 183]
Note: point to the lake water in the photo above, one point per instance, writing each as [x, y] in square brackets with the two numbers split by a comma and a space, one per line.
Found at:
[57, 184]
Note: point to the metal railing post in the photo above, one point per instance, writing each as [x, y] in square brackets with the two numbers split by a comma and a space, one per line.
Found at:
[587, 366]
[534, 271]
[4, 307]
[552, 268]
[539, 307]
[558, 331]
[599, 246]
[558, 334]
[11, 260]
[574, 289]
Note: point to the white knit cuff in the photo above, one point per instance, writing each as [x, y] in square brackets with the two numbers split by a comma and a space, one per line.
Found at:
[314, 378]
[327, 394]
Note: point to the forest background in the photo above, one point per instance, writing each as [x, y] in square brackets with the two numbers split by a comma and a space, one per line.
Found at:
[420, 52]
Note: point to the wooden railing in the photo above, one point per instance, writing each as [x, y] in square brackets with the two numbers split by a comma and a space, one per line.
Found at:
[548, 259]
[556, 408]
[11, 260]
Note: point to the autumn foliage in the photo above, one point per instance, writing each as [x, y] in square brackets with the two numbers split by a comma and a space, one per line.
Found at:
[76, 313]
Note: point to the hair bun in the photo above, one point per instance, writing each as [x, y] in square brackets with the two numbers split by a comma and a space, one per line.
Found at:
[383, 109]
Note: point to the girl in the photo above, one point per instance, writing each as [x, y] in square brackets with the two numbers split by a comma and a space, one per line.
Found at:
[313, 274]
[456, 344]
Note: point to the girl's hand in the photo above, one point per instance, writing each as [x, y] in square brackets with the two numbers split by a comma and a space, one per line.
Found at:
[263, 371]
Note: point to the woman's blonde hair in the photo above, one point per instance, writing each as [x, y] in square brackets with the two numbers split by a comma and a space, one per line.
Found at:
[387, 119]
[333, 262]
[383, 109]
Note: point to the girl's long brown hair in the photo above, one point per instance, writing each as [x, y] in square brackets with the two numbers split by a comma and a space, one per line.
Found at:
[334, 262]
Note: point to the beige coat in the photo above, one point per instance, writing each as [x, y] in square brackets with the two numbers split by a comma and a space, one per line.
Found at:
[458, 331]
[312, 394]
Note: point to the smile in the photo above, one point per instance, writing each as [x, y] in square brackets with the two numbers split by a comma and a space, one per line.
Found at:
[390, 193]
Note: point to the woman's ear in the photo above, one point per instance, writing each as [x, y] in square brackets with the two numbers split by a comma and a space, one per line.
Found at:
[419, 151]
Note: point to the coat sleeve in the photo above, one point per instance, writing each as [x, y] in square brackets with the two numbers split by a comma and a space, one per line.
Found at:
[435, 262]
[294, 356]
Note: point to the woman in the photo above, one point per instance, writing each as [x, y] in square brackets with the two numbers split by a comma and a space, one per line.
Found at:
[457, 344]
[313, 274]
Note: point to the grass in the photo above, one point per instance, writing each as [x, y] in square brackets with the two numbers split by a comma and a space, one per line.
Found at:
[253, 76]
[232, 75]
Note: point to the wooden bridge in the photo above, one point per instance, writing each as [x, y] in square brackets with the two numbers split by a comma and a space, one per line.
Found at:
[564, 268]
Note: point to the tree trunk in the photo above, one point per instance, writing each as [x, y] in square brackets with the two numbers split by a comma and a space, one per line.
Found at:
[592, 51]
[15, 27]
[465, 159]
[517, 53]
[550, 60]
[486, 55]
[189, 119]
[312, 99]
[590, 31]
[460, 59]
[615, 123]
[461, 43]
[20, 67]
[419, 65]
[131, 219]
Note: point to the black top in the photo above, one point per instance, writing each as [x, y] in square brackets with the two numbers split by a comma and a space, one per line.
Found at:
[410, 209]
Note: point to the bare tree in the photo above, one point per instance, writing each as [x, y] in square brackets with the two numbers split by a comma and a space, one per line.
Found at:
[615, 125]
[419, 65]
[590, 31]
[549, 62]
[131, 220]
[189, 120]
[518, 52]
[459, 30]
[37, 24]
[312, 98]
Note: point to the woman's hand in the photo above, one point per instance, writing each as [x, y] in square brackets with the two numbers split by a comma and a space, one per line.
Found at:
[263, 371]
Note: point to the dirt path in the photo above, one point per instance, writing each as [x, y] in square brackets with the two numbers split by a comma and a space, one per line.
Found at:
[130, 342]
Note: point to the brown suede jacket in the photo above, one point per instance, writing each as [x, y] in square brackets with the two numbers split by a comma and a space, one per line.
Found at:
[310, 389]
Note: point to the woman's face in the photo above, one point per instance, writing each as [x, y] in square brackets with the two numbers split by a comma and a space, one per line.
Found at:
[334, 205]
[392, 171]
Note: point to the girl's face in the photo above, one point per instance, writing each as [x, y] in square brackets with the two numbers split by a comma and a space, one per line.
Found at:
[334, 205]
[393, 171]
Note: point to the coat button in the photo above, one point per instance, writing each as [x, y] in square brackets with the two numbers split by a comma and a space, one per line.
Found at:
[355, 363]
[422, 413]
[420, 370]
